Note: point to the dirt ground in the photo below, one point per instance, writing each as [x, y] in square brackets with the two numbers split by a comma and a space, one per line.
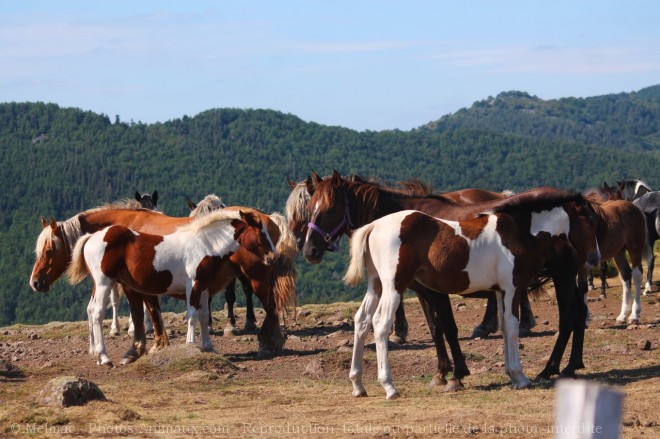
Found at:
[305, 392]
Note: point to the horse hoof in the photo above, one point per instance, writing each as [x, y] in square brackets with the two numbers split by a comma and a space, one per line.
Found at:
[392, 396]
[207, 348]
[230, 331]
[437, 381]
[602, 297]
[397, 339]
[620, 321]
[114, 332]
[453, 385]
[525, 332]
[264, 354]
[479, 332]
[250, 326]
[127, 360]
[360, 393]
[633, 322]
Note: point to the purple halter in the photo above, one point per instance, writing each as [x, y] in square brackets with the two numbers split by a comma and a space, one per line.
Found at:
[332, 239]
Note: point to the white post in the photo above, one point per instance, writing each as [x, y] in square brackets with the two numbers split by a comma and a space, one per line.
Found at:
[587, 410]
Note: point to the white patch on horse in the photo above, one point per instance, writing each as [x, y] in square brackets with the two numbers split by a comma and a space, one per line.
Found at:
[481, 264]
[270, 241]
[554, 221]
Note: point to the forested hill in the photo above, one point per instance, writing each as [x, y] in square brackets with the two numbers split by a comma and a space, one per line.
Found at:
[58, 161]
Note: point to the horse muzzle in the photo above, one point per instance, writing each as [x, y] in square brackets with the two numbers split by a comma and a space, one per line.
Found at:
[40, 285]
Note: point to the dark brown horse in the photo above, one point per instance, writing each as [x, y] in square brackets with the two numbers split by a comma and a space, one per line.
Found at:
[501, 250]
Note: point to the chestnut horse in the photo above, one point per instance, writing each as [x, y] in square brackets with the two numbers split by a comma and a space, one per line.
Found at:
[501, 250]
[199, 258]
[57, 240]
[648, 201]
[622, 229]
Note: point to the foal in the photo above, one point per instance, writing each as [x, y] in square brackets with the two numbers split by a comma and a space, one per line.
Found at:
[502, 251]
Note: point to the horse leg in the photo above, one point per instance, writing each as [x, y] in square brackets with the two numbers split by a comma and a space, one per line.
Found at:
[148, 322]
[400, 326]
[102, 293]
[271, 339]
[193, 315]
[603, 279]
[509, 324]
[564, 281]
[444, 364]
[363, 322]
[650, 259]
[138, 347]
[152, 306]
[527, 321]
[114, 303]
[90, 311]
[206, 343]
[489, 323]
[590, 279]
[625, 275]
[382, 322]
[250, 318]
[210, 313]
[230, 299]
[578, 324]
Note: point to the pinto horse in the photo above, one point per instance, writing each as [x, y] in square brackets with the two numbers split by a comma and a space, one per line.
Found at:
[335, 199]
[57, 240]
[370, 200]
[200, 258]
[501, 250]
[648, 201]
[298, 215]
[207, 205]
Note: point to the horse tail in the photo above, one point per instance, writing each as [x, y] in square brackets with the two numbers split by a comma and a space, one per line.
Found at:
[77, 270]
[355, 272]
[285, 273]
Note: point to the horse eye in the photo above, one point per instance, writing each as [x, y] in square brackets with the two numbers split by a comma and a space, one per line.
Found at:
[49, 253]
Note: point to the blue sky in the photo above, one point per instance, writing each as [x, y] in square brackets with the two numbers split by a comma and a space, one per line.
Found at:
[372, 65]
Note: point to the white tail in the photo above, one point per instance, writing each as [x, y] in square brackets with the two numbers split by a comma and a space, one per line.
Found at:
[77, 270]
[355, 272]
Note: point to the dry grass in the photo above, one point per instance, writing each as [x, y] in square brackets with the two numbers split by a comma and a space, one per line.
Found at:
[306, 392]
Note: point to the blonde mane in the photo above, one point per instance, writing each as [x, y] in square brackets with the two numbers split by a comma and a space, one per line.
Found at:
[209, 204]
[71, 231]
[201, 222]
[296, 204]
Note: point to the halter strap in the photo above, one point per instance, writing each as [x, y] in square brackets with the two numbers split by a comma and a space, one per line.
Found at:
[332, 239]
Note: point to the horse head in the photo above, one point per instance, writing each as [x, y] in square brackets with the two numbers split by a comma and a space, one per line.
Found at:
[148, 201]
[585, 219]
[51, 256]
[630, 189]
[255, 235]
[329, 217]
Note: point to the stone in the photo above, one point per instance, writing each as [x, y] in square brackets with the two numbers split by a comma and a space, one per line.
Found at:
[67, 391]
[644, 345]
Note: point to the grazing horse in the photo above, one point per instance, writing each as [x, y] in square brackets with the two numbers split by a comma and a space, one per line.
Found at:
[649, 202]
[56, 242]
[502, 250]
[209, 204]
[200, 258]
[335, 200]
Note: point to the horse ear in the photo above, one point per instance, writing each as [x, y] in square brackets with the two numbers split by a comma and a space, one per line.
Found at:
[137, 196]
[310, 186]
[251, 218]
[191, 205]
[606, 186]
[336, 178]
[44, 223]
[154, 197]
[292, 184]
[53, 224]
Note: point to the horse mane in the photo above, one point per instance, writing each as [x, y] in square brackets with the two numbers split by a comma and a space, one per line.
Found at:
[296, 204]
[71, 231]
[201, 222]
[209, 204]
[285, 273]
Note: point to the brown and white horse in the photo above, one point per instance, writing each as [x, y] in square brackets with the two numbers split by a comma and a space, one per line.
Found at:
[500, 250]
[57, 240]
[200, 258]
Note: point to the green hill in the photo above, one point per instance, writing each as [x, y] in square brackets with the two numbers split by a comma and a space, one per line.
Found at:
[58, 161]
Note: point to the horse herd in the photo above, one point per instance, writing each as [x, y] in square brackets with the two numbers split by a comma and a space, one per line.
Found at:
[470, 242]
